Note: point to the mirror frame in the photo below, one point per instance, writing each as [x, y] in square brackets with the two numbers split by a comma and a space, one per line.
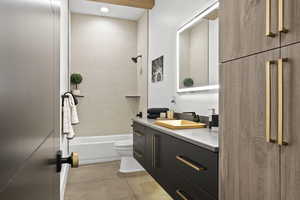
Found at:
[187, 25]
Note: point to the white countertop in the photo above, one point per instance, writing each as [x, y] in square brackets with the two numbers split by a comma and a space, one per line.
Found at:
[203, 137]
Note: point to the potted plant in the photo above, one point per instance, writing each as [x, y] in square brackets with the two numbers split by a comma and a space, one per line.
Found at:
[188, 82]
[76, 79]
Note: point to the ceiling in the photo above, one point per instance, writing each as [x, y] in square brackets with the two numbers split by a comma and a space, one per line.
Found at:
[116, 11]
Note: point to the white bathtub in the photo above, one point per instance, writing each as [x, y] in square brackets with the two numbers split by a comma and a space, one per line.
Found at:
[96, 149]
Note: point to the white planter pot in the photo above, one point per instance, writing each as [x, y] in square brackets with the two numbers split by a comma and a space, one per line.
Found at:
[76, 92]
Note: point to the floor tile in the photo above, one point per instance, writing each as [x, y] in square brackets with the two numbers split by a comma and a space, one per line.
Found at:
[104, 182]
[106, 190]
[93, 173]
[145, 187]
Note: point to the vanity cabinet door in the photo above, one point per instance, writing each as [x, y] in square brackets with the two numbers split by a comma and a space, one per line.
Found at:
[243, 28]
[290, 160]
[290, 21]
[161, 167]
[140, 144]
[249, 166]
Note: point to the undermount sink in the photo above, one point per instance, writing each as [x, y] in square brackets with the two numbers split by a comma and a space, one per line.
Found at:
[179, 124]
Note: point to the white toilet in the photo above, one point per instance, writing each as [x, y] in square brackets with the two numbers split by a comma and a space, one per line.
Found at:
[128, 163]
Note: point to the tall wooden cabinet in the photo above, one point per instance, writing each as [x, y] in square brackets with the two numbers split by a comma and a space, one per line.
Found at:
[250, 167]
[290, 154]
[243, 26]
[249, 27]
[290, 21]
[259, 97]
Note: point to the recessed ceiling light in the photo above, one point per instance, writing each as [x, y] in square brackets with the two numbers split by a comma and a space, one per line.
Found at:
[104, 9]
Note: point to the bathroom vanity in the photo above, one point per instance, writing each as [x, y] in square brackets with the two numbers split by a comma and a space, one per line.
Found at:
[183, 162]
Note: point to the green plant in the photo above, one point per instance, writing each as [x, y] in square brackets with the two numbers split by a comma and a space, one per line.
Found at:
[76, 79]
[188, 82]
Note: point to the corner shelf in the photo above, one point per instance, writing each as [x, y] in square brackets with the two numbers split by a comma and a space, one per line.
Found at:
[79, 96]
[133, 96]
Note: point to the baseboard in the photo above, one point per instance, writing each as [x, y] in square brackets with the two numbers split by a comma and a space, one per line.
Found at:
[63, 180]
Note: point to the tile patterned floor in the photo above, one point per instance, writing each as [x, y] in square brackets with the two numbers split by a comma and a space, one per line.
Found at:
[103, 182]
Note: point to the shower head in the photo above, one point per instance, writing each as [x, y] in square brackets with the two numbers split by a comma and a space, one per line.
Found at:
[135, 59]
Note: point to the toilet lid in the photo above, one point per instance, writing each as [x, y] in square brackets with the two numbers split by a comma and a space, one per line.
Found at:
[124, 143]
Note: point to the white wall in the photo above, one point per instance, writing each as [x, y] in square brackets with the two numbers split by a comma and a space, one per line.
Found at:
[164, 21]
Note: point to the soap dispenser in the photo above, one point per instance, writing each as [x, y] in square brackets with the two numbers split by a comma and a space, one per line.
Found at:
[170, 113]
[213, 119]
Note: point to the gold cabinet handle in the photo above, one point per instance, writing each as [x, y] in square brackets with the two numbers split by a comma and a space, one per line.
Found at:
[137, 133]
[138, 154]
[280, 102]
[154, 151]
[281, 27]
[268, 19]
[188, 163]
[268, 101]
[179, 193]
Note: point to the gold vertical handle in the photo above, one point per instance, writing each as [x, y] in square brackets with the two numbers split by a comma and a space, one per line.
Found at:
[268, 19]
[153, 151]
[179, 193]
[280, 102]
[281, 27]
[268, 101]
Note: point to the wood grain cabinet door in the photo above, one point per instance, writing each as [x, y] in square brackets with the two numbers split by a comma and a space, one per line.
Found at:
[290, 159]
[290, 21]
[249, 166]
[243, 27]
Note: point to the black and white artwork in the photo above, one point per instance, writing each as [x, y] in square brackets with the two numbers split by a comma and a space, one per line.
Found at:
[158, 69]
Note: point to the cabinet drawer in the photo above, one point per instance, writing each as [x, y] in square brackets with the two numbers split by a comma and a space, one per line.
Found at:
[184, 190]
[198, 165]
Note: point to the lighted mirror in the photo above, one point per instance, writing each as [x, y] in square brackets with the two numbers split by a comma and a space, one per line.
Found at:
[198, 52]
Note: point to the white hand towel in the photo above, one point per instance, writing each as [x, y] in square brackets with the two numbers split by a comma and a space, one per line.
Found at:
[71, 134]
[66, 117]
[74, 115]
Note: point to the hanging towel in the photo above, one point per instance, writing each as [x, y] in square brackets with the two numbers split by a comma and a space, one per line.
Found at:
[67, 126]
[70, 116]
[71, 134]
[74, 115]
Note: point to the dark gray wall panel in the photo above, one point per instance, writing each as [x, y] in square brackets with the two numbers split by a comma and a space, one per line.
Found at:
[35, 180]
[29, 95]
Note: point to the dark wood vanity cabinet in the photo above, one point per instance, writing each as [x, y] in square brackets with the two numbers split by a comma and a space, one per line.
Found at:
[184, 170]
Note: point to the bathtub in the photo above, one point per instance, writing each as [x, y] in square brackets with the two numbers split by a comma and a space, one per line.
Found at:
[96, 149]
